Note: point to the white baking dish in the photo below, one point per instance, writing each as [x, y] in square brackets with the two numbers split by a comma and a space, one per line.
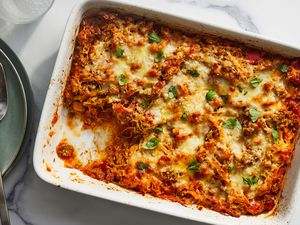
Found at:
[51, 169]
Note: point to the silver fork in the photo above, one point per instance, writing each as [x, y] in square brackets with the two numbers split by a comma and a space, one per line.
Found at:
[3, 110]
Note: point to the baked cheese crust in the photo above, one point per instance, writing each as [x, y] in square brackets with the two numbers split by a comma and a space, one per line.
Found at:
[182, 116]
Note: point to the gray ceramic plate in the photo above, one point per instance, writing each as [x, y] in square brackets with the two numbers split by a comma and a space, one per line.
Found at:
[13, 126]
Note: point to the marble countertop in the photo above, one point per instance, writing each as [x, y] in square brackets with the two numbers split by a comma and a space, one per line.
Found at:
[31, 201]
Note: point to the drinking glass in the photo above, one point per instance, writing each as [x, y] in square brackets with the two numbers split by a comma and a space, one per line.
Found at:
[21, 11]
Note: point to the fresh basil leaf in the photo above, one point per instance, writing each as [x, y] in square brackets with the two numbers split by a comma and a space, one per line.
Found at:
[119, 52]
[194, 166]
[210, 95]
[158, 129]
[142, 166]
[172, 92]
[283, 68]
[253, 114]
[230, 168]
[250, 180]
[122, 80]
[231, 123]
[145, 105]
[255, 82]
[254, 180]
[243, 91]
[193, 73]
[184, 117]
[151, 144]
[224, 98]
[275, 135]
[247, 181]
[153, 37]
[238, 125]
[159, 56]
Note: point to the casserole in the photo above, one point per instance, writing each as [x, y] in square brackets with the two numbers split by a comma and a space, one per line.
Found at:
[45, 159]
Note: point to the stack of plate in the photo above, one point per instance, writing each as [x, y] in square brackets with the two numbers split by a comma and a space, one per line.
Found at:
[16, 125]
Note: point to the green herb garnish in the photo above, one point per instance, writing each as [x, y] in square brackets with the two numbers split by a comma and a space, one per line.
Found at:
[119, 52]
[184, 117]
[241, 90]
[210, 95]
[275, 135]
[250, 180]
[224, 97]
[253, 114]
[232, 123]
[145, 105]
[283, 68]
[151, 144]
[255, 82]
[122, 80]
[159, 56]
[230, 169]
[193, 73]
[158, 129]
[153, 37]
[172, 92]
[142, 166]
[238, 124]
[194, 166]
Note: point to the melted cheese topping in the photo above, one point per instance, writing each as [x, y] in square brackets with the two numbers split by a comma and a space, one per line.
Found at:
[257, 97]
[189, 118]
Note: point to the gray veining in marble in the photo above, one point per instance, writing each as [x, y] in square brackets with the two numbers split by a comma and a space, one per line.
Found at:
[242, 18]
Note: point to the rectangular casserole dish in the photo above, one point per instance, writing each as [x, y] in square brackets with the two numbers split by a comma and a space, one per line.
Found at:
[52, 170]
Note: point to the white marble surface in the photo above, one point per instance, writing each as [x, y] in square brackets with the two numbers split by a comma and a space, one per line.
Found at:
[31, 201]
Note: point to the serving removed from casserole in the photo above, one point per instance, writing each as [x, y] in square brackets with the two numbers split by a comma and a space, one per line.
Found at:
[194, 119]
